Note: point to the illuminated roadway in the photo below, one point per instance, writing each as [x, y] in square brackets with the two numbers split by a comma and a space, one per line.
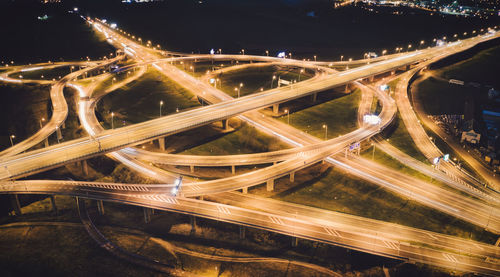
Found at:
[297, 231]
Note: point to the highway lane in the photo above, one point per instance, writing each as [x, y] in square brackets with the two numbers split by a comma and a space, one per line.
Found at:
[113, 139]
[59, 109]
[434, 201]
[393, 245]
[292, 226]
[423, 141]
[491, 178]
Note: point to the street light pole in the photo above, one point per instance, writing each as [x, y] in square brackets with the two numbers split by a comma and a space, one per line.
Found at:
[161, 104]
[301, 71]
[11, 142]
[326, 131]
[112, 120]
[272, 80]
[41, 125]
[287, 116]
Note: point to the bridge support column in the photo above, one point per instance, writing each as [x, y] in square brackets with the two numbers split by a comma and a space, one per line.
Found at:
[161, 143]
[53, 201]
[47, 142]
[274, 163]
[225, 124]
[292, 177]
[371, 79]
[276, 109]
[393, 72]
[407, 67]
[233, 169]
[244, 190]
[100, 207]
[191, 168]
[147, 215]
[270, 185]
[16, 206]
[192, 221]
[295, 241]
[314, 96]
[85, 167]
[64, 125]
[58, 133]
[242, 232]
[498, 242]
[346, 88]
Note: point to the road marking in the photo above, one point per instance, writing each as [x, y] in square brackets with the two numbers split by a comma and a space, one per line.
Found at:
[223, 210]
[195, 187]
[450, 257]
[332, 232]
[432, 236]
[391, 244]
[276, 220]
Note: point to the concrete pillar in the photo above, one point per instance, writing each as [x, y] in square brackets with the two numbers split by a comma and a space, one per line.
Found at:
[47, 142]
[161, 143]
[147, 215]
[192, 221]
[245, 190]
[314, 96]
[85, 168]
[16, 206]
[233, 169]
[225, 124]
[393, 72]
[274, 163]
[276, 109]
[242, 232]
[408, 67]
[292, 177]
[498, 242]
[64, 125]
[53, 201]
[270, 185]
[346, 88]
[58, 133]
[191, 168]
[295, 241]
[371, 78]
[100, 207]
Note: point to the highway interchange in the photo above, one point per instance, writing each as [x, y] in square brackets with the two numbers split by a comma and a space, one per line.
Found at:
[376, 237]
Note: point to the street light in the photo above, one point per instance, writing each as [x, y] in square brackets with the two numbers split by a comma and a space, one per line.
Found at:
[112, 120]
[11, 138]
[267, 53]
[161, 104]
[272, 80]
[287, 116]
[239, 89]
[301, 71]
[42, 120]
[243, 51]
[383, 52]
[341, 58]
[326, 131]
[314, 57]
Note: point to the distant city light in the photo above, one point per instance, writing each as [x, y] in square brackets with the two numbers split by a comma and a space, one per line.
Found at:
[75, 9]
[212, 51]
[113, 25]
[281, 55]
